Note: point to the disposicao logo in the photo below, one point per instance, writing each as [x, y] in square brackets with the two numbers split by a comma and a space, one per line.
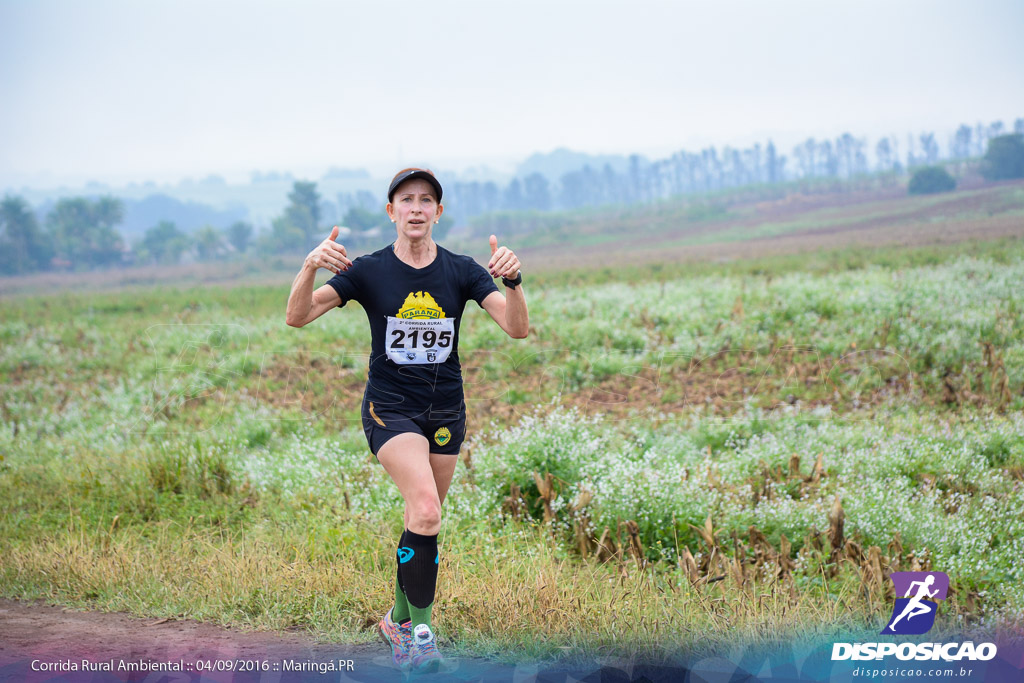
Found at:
[914, 612]
[917, 599]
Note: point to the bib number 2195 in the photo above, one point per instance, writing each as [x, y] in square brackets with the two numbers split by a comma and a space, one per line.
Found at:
[417, 341]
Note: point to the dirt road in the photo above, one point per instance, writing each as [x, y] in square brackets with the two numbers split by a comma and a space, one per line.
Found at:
[48, 643]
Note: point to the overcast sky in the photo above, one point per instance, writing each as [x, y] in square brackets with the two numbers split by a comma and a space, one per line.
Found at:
[134, 90]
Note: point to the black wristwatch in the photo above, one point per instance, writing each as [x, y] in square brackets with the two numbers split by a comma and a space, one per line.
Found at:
[512, 284]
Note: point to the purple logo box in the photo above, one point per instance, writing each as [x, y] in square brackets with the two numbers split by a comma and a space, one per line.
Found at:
[901, 582]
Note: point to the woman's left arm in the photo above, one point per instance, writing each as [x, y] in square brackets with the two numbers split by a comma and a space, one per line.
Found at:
[509, 311]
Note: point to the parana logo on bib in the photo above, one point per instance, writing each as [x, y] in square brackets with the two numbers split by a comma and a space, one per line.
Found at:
[420, 305]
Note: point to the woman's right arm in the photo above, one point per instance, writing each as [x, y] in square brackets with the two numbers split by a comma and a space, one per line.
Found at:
[305, 305]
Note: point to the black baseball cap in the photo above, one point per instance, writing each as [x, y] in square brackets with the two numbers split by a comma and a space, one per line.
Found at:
[412, 174]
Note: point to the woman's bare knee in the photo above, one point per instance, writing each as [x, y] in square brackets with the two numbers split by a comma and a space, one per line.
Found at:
[424, 515]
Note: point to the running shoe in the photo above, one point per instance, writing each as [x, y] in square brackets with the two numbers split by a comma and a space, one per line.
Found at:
[398, 638]
[423, 653]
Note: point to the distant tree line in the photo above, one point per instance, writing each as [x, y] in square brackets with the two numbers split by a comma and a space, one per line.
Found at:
[712, 169]
[81, 233]
[811, 162]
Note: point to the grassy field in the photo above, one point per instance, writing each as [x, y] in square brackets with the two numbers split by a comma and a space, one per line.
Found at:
[679, 454]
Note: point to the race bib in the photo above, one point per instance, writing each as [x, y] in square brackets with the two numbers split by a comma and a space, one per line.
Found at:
[419, 341]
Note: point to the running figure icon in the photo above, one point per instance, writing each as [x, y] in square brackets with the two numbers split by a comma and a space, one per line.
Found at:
[918, 595]
[915, 607]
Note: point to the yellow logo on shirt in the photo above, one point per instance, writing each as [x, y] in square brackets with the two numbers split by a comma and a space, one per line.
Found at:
[420, 305]
[442, 436]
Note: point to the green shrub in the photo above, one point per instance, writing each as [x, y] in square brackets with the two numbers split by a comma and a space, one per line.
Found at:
[930, 180]
[1004, 158]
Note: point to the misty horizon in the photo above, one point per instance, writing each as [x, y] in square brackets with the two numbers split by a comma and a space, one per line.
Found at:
[120, 92]
[478, 170]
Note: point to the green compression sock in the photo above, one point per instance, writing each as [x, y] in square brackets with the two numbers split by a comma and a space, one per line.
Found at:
[400, 612]
[421, 615]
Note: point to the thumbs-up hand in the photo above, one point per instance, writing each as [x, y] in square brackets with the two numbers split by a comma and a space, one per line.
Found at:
[330, 255]
[503, 263]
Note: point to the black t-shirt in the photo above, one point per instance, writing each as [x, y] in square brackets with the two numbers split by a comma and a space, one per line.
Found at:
[414, 316]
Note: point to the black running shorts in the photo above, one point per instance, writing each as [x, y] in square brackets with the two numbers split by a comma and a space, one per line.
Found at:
[444, 429]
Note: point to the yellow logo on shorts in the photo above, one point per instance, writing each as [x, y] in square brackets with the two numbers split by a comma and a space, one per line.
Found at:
[442, 436]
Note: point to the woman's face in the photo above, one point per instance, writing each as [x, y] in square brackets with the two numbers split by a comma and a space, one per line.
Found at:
[414, 209]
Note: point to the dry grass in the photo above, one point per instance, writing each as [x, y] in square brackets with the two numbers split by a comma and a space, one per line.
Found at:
[518, 595]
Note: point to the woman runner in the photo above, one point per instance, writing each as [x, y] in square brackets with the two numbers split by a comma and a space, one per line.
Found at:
[414, 416]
